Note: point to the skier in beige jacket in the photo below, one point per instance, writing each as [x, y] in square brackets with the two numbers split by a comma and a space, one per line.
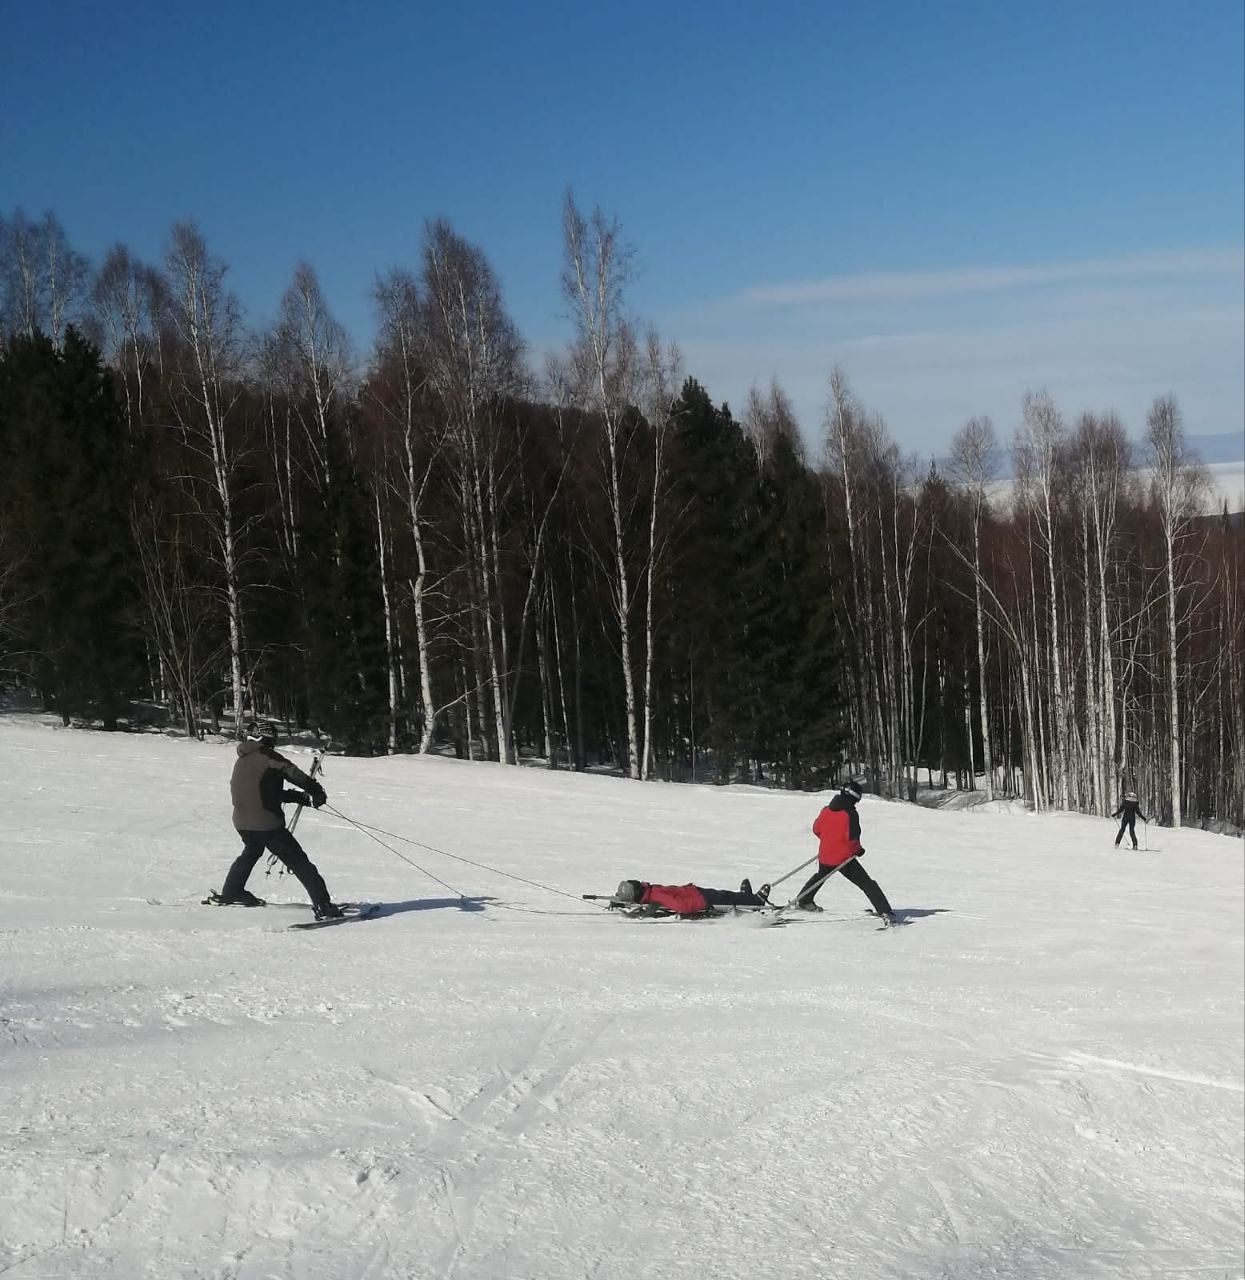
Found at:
[257, 788]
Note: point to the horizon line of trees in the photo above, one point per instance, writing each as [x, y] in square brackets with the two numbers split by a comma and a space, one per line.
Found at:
[431, 547]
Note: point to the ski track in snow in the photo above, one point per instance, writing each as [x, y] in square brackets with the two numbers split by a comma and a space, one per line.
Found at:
[1041, 1077]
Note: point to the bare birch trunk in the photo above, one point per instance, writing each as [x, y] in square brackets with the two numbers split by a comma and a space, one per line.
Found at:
[1173, 681]
[390, 648]
[205, 317]
[593, 282]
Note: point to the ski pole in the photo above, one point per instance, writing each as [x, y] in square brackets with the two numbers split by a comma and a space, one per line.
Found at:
[298, 813]
[812, 888]
[311, 773]
[773, 884]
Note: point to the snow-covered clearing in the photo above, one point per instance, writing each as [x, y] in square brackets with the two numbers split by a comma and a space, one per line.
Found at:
[1041, 1076]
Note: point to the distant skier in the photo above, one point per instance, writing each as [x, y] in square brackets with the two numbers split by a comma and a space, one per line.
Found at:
[1130, 809]
[687, 899]
[837, 827]
[258, 792]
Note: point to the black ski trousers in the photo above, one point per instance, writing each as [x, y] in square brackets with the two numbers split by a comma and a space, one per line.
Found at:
[854, 872]
[283, 844]
[730, 898]
[1127, 823]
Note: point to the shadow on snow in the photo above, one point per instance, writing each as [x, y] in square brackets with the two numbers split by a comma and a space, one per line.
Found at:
[384, 909]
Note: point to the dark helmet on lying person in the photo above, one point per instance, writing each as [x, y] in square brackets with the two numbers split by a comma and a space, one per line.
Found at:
[628, 891]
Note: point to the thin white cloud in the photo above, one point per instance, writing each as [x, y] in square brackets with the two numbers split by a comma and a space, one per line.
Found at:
[900, 286]
[927, 381]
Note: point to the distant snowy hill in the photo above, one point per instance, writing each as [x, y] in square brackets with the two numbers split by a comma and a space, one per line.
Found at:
[1039, 1076]
[1227, 446]
[1222, 456]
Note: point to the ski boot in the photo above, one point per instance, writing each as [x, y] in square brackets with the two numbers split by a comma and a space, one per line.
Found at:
[808, 906]
[328, 911]
[243, 899]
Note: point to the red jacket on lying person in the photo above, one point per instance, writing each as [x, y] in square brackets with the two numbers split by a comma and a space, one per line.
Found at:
[686, 899]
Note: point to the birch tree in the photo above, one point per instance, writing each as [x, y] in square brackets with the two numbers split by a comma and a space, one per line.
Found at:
[662, 379]
[604, 359]
[843, 429]
[398, 390]
[317, 356]
[1038, 447]
[43, 280]
[471, 354]
[1103, 461]
[973, 453]
[205, 317]
[130, 303]
[1177, 489]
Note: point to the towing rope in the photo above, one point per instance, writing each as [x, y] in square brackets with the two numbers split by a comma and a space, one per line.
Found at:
[376, 832]
[396, 853]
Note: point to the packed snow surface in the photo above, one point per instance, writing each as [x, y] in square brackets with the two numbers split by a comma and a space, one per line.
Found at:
[1039, 1076]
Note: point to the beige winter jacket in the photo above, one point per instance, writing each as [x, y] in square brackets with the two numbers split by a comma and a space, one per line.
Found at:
[258, 786]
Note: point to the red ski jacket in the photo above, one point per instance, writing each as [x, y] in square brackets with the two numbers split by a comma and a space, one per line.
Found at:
[837, 827]
[686, 899]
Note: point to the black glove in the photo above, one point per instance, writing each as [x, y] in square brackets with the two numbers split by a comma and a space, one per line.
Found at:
[318, 795]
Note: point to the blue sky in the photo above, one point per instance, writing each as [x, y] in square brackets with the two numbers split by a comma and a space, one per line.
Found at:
[955, 202]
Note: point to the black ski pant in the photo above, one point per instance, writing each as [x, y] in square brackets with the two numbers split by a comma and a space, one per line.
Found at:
[730, 898]
[283, 844]
[1129, 823]
[854, 872]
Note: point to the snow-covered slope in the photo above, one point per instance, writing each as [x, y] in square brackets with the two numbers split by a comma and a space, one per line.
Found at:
[1041, 1076]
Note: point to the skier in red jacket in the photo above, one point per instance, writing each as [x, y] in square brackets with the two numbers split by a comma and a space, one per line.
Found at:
[686, 899]
[837, 827]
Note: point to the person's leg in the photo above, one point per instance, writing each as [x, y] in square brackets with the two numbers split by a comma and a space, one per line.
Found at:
[863, 881]
[1119, 835]
[730, 898]
[1132, 831]
[283, 844]
[815, 881]
[243, 864]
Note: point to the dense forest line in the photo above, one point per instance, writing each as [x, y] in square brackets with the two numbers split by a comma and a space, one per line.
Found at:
[431, 547]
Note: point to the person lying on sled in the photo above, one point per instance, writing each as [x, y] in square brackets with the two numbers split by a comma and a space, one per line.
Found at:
[687, 899]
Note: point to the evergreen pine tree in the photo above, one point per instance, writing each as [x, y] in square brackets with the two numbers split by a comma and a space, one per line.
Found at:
[797, 702]
[714, 475]
[64, 495]
[344, 622]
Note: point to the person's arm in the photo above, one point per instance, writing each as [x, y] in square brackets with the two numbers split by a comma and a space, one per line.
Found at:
[292, 773]
[1117, 813]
